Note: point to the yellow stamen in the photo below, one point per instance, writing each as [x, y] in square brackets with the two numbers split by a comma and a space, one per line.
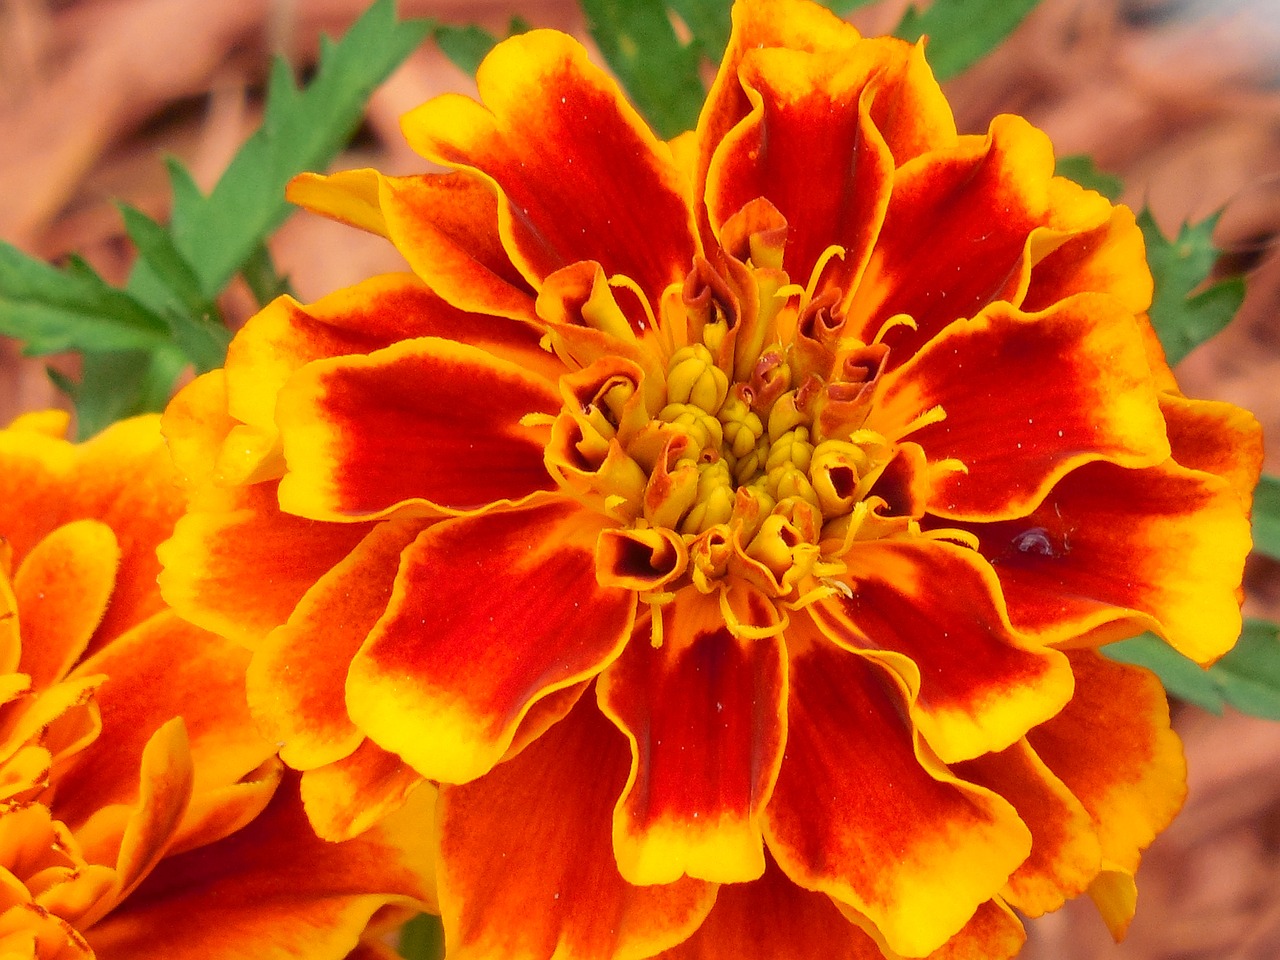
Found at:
[897, 320]
[966, 538]
[929, 417]
[741, 630]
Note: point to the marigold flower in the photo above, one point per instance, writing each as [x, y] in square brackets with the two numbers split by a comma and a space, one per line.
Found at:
[143, 814]
[726, 524]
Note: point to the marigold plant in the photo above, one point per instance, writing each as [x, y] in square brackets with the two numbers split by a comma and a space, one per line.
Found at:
[143, 815]
[728, 524]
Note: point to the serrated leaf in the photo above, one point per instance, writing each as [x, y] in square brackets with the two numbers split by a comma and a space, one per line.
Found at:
[659, 72]
[1181, 677]
[1249, 676]
[1182, 320]
[1266, 517]
[51, 310]
[1081, 168]
[301, 130]
[124, 383]
[156, 248]
[962, 32]
[422, 938]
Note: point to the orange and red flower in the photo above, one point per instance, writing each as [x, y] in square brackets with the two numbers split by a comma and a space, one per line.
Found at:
[727, 525]
[143, 814]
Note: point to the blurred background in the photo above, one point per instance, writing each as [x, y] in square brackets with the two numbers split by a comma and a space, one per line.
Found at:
[1180, 98]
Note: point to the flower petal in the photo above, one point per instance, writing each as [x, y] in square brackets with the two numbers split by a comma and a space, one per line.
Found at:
[1027, 399]
[285, 336]
[62, 588]
[865, 814]
[1111, 552]
[773, 917]
[1218, 438]
[446, 226]
[1065, 853]
[282, 893]
[609, 191]
[232, 537]
[1113, 748]
[349, 196]
[297, 681]
[1108, 259]
[705, 714]
[427, 422]
[980, 686]
[489, 614]
[994, 932]
[774, 23]
[185, 672]
[809, 147]
[964, 227]
[345, 798]
[546, 858]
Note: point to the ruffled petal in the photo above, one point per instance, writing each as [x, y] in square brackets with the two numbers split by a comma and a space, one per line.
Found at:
[282, 893]
[553, 798]
[994, 932]
[446, 226]
[705, 714]
[62, 588]
[809, 147]
[1109, 259]
[297, 681]
[1218, 438]
[426, 423]
[609, 191]
[1065, 853]
[965, 226]
[1113, 748]
[238, 565]
[349, 196]
[1111, 552]
[862, 812]
[185, 672]
[773, 917]
[1026, 398]
[775, 23]
[489, 614]
[937, 607]
[345, 798]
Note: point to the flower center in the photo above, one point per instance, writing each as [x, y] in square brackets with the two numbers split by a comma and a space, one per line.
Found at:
[727, 435]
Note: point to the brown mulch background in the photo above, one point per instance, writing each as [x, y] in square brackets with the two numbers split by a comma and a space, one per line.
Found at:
[1179, 97]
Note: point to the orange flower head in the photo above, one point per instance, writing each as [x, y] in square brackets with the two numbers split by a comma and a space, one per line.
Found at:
[726, 524]
[142, 816]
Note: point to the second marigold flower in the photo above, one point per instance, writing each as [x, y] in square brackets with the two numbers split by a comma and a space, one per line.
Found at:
[728, 525]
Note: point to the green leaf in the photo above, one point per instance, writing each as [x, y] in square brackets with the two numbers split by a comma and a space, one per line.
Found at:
[265, 283]
[1081, 168]
[1266, 517]
[1184, 320]
[658, 71]
[422, 938]
[962, 32]
[844, 7]
[465, 46]
[708, 23]
[52, 310]
[301, 130]
[1181, 677]
[1247, 678]
[122, 384]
